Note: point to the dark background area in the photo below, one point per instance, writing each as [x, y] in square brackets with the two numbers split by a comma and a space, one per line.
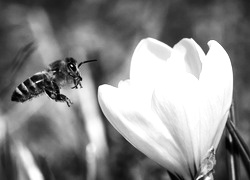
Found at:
[78, 142]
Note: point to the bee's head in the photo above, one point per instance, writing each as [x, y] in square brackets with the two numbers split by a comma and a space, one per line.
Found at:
[73, 70]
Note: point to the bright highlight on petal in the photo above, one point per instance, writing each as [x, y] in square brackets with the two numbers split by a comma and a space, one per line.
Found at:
[175, 105]
[148, 61]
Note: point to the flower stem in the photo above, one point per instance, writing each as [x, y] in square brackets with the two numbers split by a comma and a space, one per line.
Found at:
[232, 155]
[174, 176]
[239, 143]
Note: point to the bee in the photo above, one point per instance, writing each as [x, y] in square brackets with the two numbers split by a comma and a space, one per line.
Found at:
[59, 74]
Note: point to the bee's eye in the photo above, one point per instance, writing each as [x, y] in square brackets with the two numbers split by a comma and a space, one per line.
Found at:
[72, 67]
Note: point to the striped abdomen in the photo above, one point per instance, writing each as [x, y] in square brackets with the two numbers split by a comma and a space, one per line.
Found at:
[30, 88]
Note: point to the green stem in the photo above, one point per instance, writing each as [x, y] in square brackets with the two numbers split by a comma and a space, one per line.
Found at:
[232, 155]
[241, 146]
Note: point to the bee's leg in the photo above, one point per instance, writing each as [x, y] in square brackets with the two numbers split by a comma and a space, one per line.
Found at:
[76, 84]
[80, 84]
[54, 93]
[74, 87]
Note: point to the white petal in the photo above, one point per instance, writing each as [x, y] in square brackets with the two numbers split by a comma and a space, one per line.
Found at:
[147, 61]
[186, 57]
[140, 126]
[216, 81]
[217, 75]
[176, 104]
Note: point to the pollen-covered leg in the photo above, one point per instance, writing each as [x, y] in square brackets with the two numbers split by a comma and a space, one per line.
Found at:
[54, 93]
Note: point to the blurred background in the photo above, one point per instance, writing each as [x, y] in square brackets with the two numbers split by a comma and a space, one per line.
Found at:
[42, 139]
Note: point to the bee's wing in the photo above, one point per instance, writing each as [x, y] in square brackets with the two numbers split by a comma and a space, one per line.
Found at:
[17, 63]
[21, 57]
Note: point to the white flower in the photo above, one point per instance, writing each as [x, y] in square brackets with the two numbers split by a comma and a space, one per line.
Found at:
[175, 105]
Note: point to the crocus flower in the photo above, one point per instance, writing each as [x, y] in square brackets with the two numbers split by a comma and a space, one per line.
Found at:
[175, 105]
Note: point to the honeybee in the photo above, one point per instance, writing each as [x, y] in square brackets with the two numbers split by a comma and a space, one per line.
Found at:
[59, 74]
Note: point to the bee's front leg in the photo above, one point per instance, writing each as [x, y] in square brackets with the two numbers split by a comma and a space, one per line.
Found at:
[80, 84]
[76, 83]
[54, 93]
[74, 87]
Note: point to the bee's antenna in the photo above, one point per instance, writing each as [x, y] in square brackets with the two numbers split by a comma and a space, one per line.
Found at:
[86, 62]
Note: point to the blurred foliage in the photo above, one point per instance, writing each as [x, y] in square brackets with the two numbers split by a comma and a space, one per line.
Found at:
[78, 143]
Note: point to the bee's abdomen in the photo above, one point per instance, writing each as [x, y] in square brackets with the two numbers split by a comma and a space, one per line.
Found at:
[30, 88]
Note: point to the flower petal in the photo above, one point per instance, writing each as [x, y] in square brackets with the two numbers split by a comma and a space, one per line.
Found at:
[186, 57]
[216, 82]
[140, 126]
[176, 103]
[217, 74]
[190, 95]
[147, 61]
